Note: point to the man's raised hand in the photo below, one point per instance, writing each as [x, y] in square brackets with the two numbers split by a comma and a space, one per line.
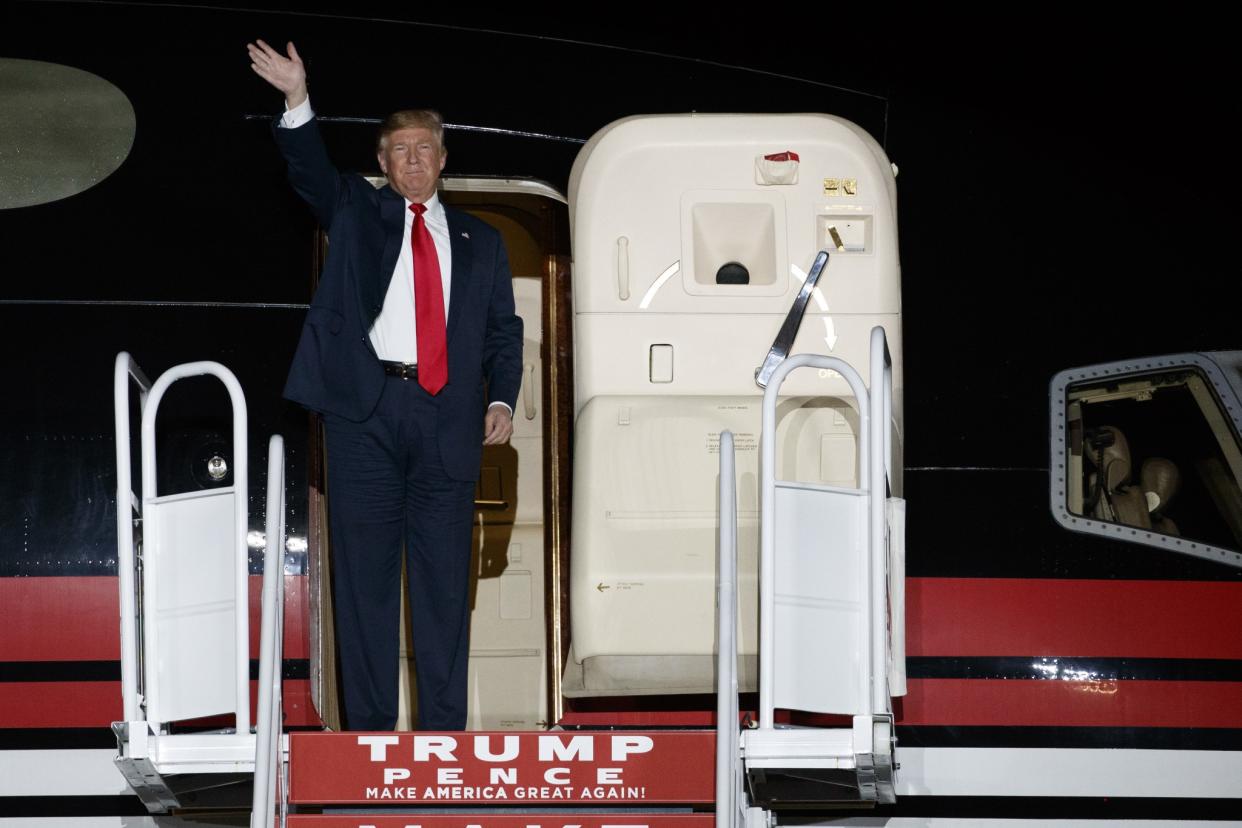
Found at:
[285, 73]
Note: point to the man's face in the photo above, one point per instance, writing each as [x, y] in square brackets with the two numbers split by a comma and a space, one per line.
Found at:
[412, 160]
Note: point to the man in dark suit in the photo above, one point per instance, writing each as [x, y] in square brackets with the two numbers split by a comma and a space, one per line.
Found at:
[413, 315]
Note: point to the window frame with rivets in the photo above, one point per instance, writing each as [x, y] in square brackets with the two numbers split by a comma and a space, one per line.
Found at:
[1182, 455]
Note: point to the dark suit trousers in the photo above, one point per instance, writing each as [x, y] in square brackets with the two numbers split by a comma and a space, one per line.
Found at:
[387, 488]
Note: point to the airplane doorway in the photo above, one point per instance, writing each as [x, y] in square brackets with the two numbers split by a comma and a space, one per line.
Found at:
[521, 502]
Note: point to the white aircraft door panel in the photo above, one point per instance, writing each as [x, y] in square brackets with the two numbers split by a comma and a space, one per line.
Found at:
[506, 668]
[630, 179]
[527, 438]
[687, 258]
[715, 353]
[645, 524]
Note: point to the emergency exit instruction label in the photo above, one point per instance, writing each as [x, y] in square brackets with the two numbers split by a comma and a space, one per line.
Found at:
[609, 768]
[742, 441]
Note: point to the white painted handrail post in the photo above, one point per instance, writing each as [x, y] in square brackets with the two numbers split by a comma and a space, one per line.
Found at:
[241, 518]
[881, 407]
[767, 506]
[268, 726]
[126, 504]
[726, 648]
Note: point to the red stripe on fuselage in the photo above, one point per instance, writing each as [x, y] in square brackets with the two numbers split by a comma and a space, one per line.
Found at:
[1047, 617]
[68, 619]
[1048, 703]
[78, 619]
[56, 704]
[60, 619]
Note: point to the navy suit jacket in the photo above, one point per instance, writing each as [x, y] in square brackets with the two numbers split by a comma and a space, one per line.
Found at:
[335, 370]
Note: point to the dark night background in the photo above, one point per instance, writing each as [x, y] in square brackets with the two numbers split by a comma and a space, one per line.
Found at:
[1067, 195]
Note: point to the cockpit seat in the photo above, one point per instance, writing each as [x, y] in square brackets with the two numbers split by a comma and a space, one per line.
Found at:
[1119, 501]
[1160, 480]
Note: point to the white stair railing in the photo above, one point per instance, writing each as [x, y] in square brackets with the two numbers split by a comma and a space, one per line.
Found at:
[183, 583]
[768, 690]
[128, 506]
[829, 611]
[180, 534]
[878, 457]
[185, 645]
[268, 743]
[728, 764]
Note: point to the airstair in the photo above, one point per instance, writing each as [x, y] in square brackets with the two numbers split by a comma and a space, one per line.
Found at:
[831, 618]
[184, 603]
[831, 606]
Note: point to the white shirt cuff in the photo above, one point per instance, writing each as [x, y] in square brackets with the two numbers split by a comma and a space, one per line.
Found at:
[300, 114]
[505, 404]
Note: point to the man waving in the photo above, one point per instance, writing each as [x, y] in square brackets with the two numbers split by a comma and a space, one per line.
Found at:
[411, 325]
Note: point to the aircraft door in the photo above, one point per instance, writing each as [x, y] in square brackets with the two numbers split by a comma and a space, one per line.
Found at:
[692, 236]
[508, 688]
[520, 483]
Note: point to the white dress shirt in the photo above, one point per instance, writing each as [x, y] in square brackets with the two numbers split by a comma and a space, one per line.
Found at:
[394, 333]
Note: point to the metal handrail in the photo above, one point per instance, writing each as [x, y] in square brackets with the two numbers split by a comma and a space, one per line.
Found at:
[241, 586]
[268, 728]
[881, 450]
[726, 648]
[127, 504]
[767, 498]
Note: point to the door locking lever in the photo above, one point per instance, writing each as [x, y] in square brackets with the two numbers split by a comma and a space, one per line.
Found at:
[789, 330]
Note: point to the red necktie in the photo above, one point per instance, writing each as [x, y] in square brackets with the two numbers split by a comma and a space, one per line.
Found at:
[428, 306]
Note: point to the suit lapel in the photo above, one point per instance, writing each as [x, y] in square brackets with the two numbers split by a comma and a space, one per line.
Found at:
[463, 259]
[392, 214]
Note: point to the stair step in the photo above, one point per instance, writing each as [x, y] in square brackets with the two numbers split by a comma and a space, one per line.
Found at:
[490, 820]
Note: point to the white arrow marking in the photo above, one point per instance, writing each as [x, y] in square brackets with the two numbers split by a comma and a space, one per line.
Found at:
[830, 334]
[659, 283]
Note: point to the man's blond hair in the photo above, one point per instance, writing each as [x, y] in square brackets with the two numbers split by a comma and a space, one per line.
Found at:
[411, 119]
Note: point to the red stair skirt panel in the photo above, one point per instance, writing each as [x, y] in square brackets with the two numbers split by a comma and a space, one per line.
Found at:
[631, 768]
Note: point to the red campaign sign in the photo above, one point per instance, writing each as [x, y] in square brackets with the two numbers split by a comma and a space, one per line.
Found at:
[502, 769]
[508, 821]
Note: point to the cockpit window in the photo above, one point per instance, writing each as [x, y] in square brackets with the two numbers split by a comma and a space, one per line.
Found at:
[1155, 453]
